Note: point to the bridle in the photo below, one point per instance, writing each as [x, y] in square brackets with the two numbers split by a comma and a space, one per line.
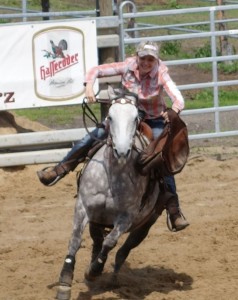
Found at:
[120, 98]
[123, 101]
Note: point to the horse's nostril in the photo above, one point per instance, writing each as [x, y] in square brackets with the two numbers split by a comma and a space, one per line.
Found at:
[116, 152]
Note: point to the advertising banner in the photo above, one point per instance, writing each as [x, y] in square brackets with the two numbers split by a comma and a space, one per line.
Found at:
[44, 64]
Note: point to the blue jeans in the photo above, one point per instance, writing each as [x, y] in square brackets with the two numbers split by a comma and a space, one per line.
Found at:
[157, 126]
[88, 140]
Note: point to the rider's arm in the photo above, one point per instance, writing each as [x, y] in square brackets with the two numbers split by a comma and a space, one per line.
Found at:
[105, 70]
[172, 90]
[89, 93]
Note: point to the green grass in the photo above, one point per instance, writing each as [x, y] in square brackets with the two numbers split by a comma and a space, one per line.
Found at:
[57, 116]
[204, 99]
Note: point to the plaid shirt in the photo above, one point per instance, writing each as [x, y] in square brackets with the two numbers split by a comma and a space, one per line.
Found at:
[149, 88]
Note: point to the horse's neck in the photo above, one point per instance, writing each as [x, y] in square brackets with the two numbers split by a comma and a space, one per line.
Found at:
[141, 141]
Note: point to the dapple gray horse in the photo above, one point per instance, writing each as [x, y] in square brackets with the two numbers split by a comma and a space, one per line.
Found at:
[113, 195]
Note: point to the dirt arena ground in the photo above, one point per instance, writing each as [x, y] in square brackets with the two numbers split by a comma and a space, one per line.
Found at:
[198, 263]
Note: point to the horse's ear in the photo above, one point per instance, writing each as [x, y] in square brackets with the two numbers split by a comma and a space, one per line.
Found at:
[111, 92]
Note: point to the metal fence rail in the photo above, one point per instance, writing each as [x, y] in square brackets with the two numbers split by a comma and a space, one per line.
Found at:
[187, 34]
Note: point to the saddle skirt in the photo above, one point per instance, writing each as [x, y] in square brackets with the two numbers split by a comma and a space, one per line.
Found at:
[145, 130]
[168, 153]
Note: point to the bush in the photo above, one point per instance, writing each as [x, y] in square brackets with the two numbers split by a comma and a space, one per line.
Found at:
[170, 48]
[204, 51]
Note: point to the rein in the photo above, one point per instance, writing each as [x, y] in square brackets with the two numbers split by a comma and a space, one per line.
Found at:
[87, 112]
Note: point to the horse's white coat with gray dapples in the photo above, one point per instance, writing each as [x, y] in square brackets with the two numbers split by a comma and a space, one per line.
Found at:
[110, 195]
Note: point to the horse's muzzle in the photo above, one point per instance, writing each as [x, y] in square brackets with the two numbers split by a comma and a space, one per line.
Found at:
[122, 157]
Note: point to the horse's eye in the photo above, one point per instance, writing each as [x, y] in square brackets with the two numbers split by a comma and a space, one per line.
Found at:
[109, 118]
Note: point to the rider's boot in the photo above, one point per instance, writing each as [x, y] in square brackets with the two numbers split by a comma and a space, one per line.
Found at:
[51, 175]
[176, 219]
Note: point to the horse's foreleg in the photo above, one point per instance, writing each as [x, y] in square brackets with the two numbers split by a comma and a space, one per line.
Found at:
[80, 221]
[133, 240]
[96, 267]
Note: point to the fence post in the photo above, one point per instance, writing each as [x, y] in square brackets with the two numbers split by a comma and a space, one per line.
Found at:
[45, 4]
[106, 55]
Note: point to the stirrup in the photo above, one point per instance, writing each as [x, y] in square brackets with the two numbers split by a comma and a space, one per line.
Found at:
[55, 181]
[169, 223]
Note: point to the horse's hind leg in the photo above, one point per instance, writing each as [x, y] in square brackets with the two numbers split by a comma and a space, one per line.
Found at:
[133, 240]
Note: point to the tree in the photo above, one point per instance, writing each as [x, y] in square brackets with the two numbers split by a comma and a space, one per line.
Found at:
[225, 47]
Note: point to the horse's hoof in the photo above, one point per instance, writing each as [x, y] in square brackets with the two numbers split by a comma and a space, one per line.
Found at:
[63, 293]
[114, 283]
[66, 279]
[90, 275]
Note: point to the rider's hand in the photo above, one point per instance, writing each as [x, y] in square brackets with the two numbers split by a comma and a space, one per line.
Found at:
[89, 93]
[164, 114]
[176, 110]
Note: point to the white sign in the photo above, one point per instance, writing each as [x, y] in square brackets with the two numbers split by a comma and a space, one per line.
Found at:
[44, 64]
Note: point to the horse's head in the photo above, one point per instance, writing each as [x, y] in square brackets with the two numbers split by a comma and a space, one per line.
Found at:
[123, 120]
